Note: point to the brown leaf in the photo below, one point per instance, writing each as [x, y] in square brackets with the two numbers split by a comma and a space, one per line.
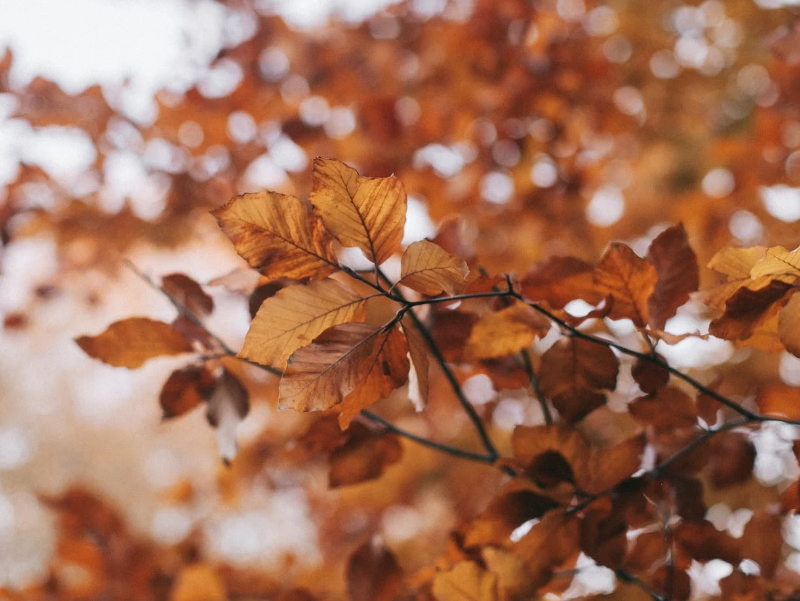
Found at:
[465, 582]
[505, 332]
[184, 390]
[650, 376]
[373, 573]
[732, 459]
[611, 465]
[560, 280]
[602, 533]
[277, 235]
[188, 293]
[779, 400]
[703, 542]
[133, 341]
[550, 543]
[418, 385]
[295, 316]
[668, 409]
[629, 279]
[678, 274]
[389, 370]
[228, 405]
[429, 269]
[789, 325]
[365, 456]
[365, 212]
[320, 375]
[198, 582]
[551, 454]
[572, 372]
[748, 308]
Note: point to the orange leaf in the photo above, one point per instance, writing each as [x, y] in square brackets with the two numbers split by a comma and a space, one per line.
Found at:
[779, 400]
[465, 582]
[428, 268]
[572, 372]
[560, 280]
[131, 342]
[678, 274]
[748, 307]
[789, 325]
[295, 316]
[198, 582]
[277, 235]
[366, 212]
[628, 278]
[418, 385]
[365, 456]
[505, 332]
[550, 543]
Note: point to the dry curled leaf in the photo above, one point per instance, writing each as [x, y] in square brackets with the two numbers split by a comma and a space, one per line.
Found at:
[133, 341]
[366, 212]
[277, 235]
[295, 316]
[428, 268]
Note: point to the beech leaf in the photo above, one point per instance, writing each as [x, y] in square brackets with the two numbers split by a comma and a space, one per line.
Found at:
[678, 274]
[560, 280]
[295, 316]
[418, 377]
[428, 268]
[466, 581]
[789, 325]
[133, 341]
[365, 456]
[373, 573]
[505, 332]
[184, 390]
[629, 279]
[228, 405]
[777, 262]
[188, 293]
[277, 235]
[366, 212]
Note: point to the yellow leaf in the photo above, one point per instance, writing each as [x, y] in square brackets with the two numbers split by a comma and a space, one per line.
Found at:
[428, 268]
[366, 212]
[465, 582]
[736, 263]
[789, 325]
[295, 316]
[505, 332]
[630, 279]
[344, 357]
[777, 262]
[131, 342]
[418, 386]
[277, 235]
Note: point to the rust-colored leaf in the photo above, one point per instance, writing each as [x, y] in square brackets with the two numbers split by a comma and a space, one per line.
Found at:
[560, 280]
[188, 293]
[466, 581]
[365, 456]
[133, 341]
[373, 573]
[295, 316]
[548, 544]
[505, 332]
[365, 212]
[602, 534]
[418, 379]
[748, 308]
[428, 268]
[277, 235]
[184, 390]
[678, 274]
[779, 400]
[789, 325]
[198, 582]
[572, 373]
[228, 405]
[649, 375]
[629, 279]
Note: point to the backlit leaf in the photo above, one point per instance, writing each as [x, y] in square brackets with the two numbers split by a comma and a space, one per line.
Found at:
[749, 307]
[365, 212]
[779, 400]
[277, 235]
[789, 325]
[678, 274]
[465, 582]
[777, 262]
[629, 279]
[505, 332]
[295, 316]
[131, 342]
[365, 456]
[188, 293]
[418, 385]
[560, 280]
[428, 268]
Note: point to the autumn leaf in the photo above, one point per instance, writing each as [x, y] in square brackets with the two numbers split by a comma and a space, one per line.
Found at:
[198, 582]
[779, 400]
[505, 332]
[368, 213]
[184, 390]
[418, 383]
[365, 456]
[667, 410]
[133, 341]
[373, 573]
[678, 274]
[341, 359]
[572, 373]
[548, 544]
[188, 293]
[650, 375]
[789, 325]
[629, 279]
[466, 581]
[777, 262]
[749, 307]
[295, 316]
[559, 281]
[428, 268]
[277, 235]
[551, 453]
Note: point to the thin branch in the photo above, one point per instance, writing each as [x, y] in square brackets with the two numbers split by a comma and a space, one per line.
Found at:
[454, 384]
[528, 364]
[452, 299]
